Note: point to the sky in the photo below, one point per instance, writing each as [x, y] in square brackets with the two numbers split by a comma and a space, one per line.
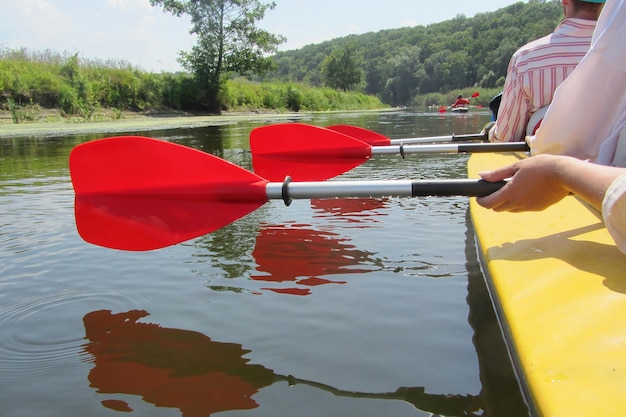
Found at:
[146, 37]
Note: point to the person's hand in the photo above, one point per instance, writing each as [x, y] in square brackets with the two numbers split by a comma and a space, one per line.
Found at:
[533, 185]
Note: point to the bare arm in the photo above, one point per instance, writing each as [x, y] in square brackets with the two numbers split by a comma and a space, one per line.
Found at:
[543, 180]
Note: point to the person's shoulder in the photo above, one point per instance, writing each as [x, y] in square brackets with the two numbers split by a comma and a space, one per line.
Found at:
[533, 45]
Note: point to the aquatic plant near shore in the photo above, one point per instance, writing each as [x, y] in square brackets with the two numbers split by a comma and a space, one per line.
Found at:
[13, 110]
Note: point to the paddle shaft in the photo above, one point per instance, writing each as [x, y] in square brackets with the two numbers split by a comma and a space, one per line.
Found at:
[376, 139]
[450, 148]
[288, 190]
[432, 139]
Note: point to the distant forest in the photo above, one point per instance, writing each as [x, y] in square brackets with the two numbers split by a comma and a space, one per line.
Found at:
[416, 66]
[399, 64]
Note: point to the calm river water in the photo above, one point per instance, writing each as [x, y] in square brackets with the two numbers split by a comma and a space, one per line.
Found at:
[323, 308]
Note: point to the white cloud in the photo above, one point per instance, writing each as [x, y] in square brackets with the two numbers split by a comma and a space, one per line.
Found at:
[118, 3]
[147, 20]
[44, 21]
[125, 4]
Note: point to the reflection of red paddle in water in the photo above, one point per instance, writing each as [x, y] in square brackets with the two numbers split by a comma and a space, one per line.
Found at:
[351, 209]
[284, 251]
[187, 370]
[170, 367]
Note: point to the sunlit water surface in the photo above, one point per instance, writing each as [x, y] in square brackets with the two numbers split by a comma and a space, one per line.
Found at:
[323, 308]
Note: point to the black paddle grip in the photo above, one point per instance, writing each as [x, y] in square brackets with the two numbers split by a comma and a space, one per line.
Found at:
[465, 187]
[493, 147]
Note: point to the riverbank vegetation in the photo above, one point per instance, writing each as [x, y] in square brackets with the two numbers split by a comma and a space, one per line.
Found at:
[228, 42]
[415, 67]
[87, 89]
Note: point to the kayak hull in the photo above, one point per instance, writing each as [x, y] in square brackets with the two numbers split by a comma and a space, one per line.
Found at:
[558, 283]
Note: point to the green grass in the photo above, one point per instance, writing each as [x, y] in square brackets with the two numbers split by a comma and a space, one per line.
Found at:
[79, 87]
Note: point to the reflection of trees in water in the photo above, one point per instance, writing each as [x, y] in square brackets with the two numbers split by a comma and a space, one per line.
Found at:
[228, 249]
[187, 370]
[39, 157]
[228, 140]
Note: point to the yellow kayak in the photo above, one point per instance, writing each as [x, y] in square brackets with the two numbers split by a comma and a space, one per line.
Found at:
[559, 286]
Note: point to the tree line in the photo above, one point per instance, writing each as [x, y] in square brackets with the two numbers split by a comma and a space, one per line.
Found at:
[235, 64]
[397, 65]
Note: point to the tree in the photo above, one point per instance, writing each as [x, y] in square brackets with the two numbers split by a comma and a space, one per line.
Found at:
[342, 68]
[228, 42]
[433, 65]
[403, 79]
[454, 71]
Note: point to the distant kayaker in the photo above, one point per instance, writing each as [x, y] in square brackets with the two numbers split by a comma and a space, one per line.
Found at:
[460, 102]
[577, 143]
[537, 68]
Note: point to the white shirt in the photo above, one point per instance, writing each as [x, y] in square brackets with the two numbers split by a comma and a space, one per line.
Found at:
[614, 211]
[614, 202]
[589, 108]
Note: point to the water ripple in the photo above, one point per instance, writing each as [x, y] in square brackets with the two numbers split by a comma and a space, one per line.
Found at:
[33, 342]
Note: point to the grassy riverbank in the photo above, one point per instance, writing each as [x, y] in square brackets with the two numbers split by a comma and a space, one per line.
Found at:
[48, 123]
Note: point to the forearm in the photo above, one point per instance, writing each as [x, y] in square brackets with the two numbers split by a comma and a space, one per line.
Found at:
[540, 181]
[587, 180]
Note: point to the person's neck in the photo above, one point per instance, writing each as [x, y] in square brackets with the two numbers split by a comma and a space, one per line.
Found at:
[582, 14]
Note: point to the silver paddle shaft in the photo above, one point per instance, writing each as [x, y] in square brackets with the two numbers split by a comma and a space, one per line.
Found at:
[288, 190]
[450, 148]
[448, 138]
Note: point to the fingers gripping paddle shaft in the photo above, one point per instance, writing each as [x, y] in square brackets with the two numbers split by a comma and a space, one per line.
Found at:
[376, 139]
[311, 153]
[136, 193]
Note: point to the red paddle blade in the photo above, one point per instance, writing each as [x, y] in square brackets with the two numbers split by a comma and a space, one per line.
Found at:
[304, 152]
[476, 94]
[136, 193]
[368, 136]
[442, 109]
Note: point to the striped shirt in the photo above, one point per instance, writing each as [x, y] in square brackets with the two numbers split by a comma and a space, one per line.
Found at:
[535, 71]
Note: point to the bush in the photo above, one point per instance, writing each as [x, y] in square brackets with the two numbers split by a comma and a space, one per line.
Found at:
[294, 99]
[79, 86]
[68, 100]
